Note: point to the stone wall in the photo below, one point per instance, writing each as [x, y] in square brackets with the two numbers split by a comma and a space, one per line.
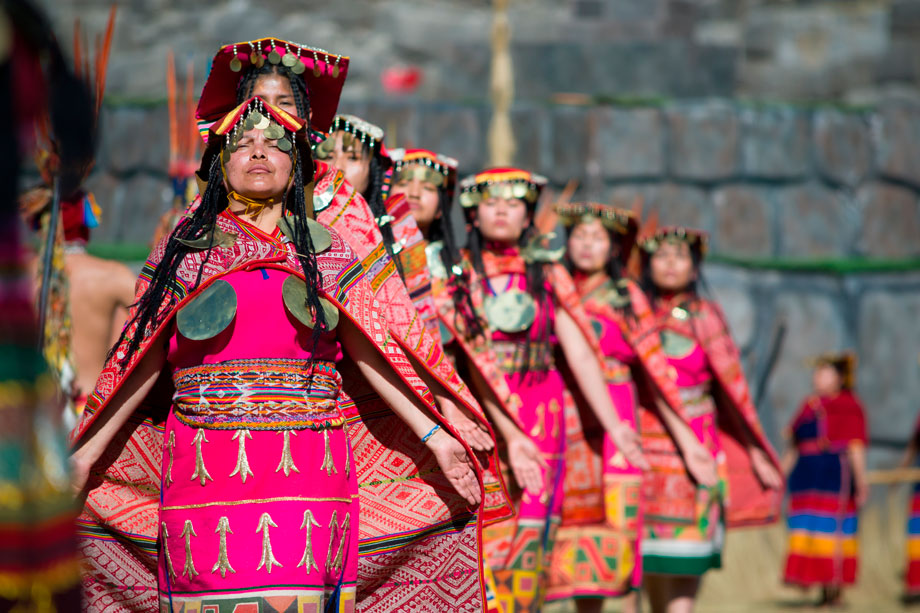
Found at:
[664, 113]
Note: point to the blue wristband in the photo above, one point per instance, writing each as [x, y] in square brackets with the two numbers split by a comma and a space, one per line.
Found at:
[431, 433]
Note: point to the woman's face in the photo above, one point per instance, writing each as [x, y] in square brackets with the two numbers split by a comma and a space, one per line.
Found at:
[258, 169]
[423, 197]
[826, 380]
[354, 160]
[671, 266]
[502, 220]
[590, 247]
[277, 91]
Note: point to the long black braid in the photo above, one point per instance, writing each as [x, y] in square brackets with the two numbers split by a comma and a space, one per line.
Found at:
[536, 287]
[162, 293]
[374, 197]
[442, 229]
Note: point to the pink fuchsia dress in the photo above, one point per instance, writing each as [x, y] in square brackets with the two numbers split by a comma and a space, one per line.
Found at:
[683, 523]
[259, 503]
[596, 554]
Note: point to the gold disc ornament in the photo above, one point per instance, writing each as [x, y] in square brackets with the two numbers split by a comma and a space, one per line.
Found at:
[288, 60]
[512, 311]
[209, 313]
[298, 68]
[274, 57]
[294, 293]
[236, 65]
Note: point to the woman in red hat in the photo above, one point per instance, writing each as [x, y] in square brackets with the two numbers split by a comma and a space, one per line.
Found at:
[711, 464]
[260, 326]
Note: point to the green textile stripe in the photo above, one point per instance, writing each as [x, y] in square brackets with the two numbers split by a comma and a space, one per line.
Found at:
[137, 252]
[666, 565]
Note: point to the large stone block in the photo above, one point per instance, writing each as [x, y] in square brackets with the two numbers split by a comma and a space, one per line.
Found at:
[682, 205]
[704, 141]
[890, 221]
[131, 207]
[775, 143]
[134, 138]
[399, 120]
[532, 128]
[744, 221]
[630, 142]
[455, 131]
[843, 146]
[814, 324]
[814, 221]
[896, 135]
[888, 345]
[571, 147]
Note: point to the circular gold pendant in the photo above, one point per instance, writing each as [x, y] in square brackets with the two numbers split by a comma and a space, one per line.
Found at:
[512, 311]
[236, 65]
[209, 313]
[294, 294]
[274, 57]
[298, 67]
[288, 59]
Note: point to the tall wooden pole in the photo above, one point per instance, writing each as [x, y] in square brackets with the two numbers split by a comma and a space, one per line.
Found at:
[501, 89]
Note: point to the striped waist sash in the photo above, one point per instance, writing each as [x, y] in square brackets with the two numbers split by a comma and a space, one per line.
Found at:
[697, 400]
[263, 394]
[511, 355]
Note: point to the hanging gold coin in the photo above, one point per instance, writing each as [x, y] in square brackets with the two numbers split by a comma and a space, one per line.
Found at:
[316, 70]
[335, 71]
[235, 64]
[253, 57]
[262, 122]
[284, 144]
[274, 57]
[274, 131]
[512, 311]
[298, 67]
[289, 59]
[209, 313]
[294, 293]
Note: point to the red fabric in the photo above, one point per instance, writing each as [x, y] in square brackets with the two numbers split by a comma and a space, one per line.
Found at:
[807, 571]
[844, 418]
[73, 218]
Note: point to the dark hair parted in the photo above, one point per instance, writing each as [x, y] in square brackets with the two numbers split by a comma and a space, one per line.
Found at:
[247, 84]
[161, 294]
[614, 266]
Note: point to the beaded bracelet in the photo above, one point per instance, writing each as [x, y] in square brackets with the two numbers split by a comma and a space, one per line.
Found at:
[431, 433]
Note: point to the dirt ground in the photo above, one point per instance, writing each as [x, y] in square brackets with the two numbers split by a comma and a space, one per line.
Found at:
[750, 578]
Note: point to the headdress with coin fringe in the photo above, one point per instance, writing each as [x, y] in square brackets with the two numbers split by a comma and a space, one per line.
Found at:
[323, 72]
[431, 167]
[355, 129]
[501, 183]
[621, 221]
[697, 240]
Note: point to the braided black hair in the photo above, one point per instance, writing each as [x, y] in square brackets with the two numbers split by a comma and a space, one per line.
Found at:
[374, 195]
[161, 294]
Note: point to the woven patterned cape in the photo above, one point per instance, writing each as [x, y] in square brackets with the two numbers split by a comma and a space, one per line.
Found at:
[749, 503]
[345, 210]
[419, 541]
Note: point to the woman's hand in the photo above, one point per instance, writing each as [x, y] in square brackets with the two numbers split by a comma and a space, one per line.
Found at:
[764, 469]
[473, 431]
[527, 464]
[862, 491]
[629, 443]
[700, 463]
[457, 465]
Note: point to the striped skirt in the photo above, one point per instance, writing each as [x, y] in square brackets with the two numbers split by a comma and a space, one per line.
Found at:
[823, 548]
[912, 576]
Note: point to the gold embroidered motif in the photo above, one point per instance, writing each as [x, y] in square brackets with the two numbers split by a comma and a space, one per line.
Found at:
[170, 445]
[169, 565]
[333, 528]
[538, 429]
[337, 562]
[287, 461]
[347, 457]
[328, 463]
[242, 461]
[201, 473]
[554, 410]
[308, 523]
[231, 503]
[187, 533]
[223, 563]
[268, 556]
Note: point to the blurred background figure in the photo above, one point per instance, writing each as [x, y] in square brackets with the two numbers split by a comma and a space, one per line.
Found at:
[38, 561]
[826, 464]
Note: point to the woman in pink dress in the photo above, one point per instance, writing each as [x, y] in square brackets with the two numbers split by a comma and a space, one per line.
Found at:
[247, 315]
[526, 309]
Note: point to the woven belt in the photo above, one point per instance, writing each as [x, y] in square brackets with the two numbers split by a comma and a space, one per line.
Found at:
[511, 355]
[615, 371]
[265, 394]
[697, 400]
